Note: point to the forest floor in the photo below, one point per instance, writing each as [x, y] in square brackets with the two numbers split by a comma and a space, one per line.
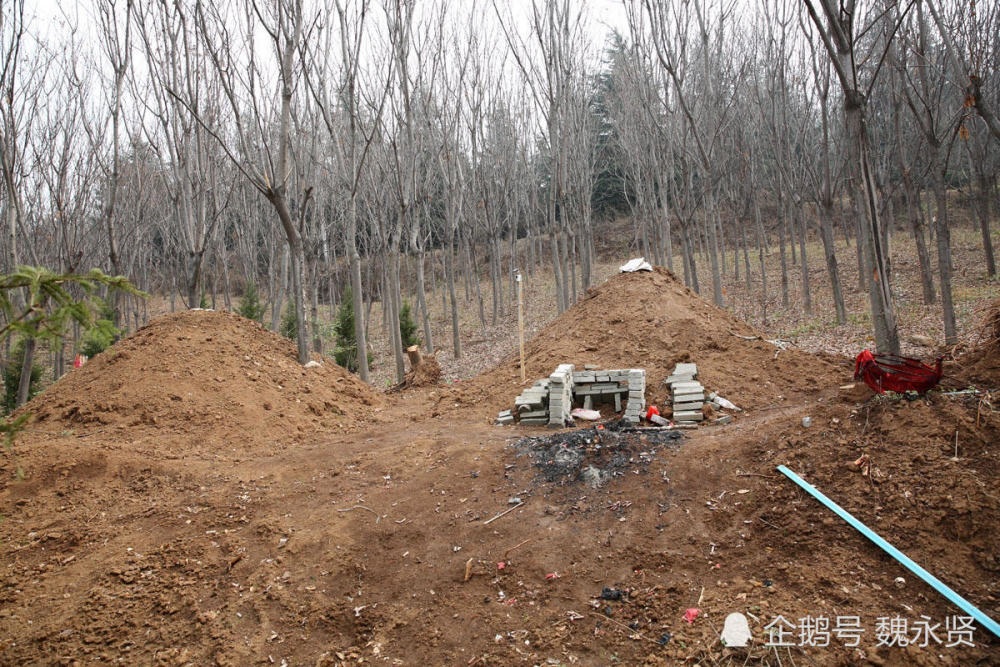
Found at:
[194, 496]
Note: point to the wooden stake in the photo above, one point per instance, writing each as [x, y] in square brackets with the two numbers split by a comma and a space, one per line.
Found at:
[520, 320]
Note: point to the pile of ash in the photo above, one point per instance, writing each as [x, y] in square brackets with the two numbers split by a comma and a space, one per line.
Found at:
[594, 455]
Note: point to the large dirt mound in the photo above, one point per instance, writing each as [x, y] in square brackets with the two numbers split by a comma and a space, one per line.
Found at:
[980, 366]
[200, 377]
[651, 320]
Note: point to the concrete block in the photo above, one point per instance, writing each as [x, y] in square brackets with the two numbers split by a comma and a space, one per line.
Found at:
[535, 421]
[602, 377]
[689, 398]
[686, 369]
[590, 367]
[724, 419]
[685, 407]
[588, 403]
[534, 414]
[504, 420]
[683, 387]
[618, 402]
[689, 416]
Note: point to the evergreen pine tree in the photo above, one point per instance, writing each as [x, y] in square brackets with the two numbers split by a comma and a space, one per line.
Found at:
[407, 327]
[346, 345]
[250, 306]
[12, 377]
[289, 327]
[102, 334]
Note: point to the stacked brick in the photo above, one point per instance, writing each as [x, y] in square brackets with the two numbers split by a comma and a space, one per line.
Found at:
[594, 384]
[533, 403]
[688, 394]
[561, 395]
[550, 400]
[636, 395]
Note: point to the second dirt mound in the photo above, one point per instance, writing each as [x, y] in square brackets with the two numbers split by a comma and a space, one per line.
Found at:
[651, 320]
[203, 379]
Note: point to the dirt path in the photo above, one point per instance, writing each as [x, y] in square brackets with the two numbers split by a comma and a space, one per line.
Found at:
[356, 547]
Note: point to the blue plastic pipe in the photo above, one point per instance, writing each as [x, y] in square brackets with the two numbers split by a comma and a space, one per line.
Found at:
[933, 581]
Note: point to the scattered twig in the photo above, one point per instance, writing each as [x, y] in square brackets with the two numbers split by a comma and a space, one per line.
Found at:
[755, 474]
[632, 633]
[516, 546]
[361, 507]
[768, 523]
[507, 511]
[468, 569]
[233, 562]
[701, 596]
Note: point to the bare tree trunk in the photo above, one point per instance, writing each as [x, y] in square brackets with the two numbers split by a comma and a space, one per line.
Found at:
[357, 295]
[422, 302]
[806, 294]
[944, 254]
[916, 228]
[761, 243]
[24, 386]
[829, 251]
[982, 205]
[282, 288]
[450, 270]
[782, 228]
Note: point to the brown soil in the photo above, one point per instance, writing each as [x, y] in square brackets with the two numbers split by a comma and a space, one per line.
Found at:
[428, 373]
[223, 533]
[190, 380]
[980, 366]
[651, 320]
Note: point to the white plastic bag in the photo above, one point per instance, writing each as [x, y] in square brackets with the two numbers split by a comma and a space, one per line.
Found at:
[637, 264]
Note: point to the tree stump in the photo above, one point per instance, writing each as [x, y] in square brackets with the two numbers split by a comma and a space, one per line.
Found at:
[413, 352]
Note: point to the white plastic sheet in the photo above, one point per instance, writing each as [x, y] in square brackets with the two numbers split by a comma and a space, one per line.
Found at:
[637, 264]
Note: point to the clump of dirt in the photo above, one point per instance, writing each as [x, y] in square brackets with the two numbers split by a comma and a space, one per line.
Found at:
[426, 374]
[651, 320]
[197, 378]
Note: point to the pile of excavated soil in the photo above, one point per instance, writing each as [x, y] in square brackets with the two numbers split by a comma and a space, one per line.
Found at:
[651, 320]
[980, 366]
[203, 381]
[427, 374]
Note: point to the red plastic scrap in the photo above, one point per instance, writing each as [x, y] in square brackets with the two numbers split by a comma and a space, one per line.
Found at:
[891, 372]
[691, 614]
